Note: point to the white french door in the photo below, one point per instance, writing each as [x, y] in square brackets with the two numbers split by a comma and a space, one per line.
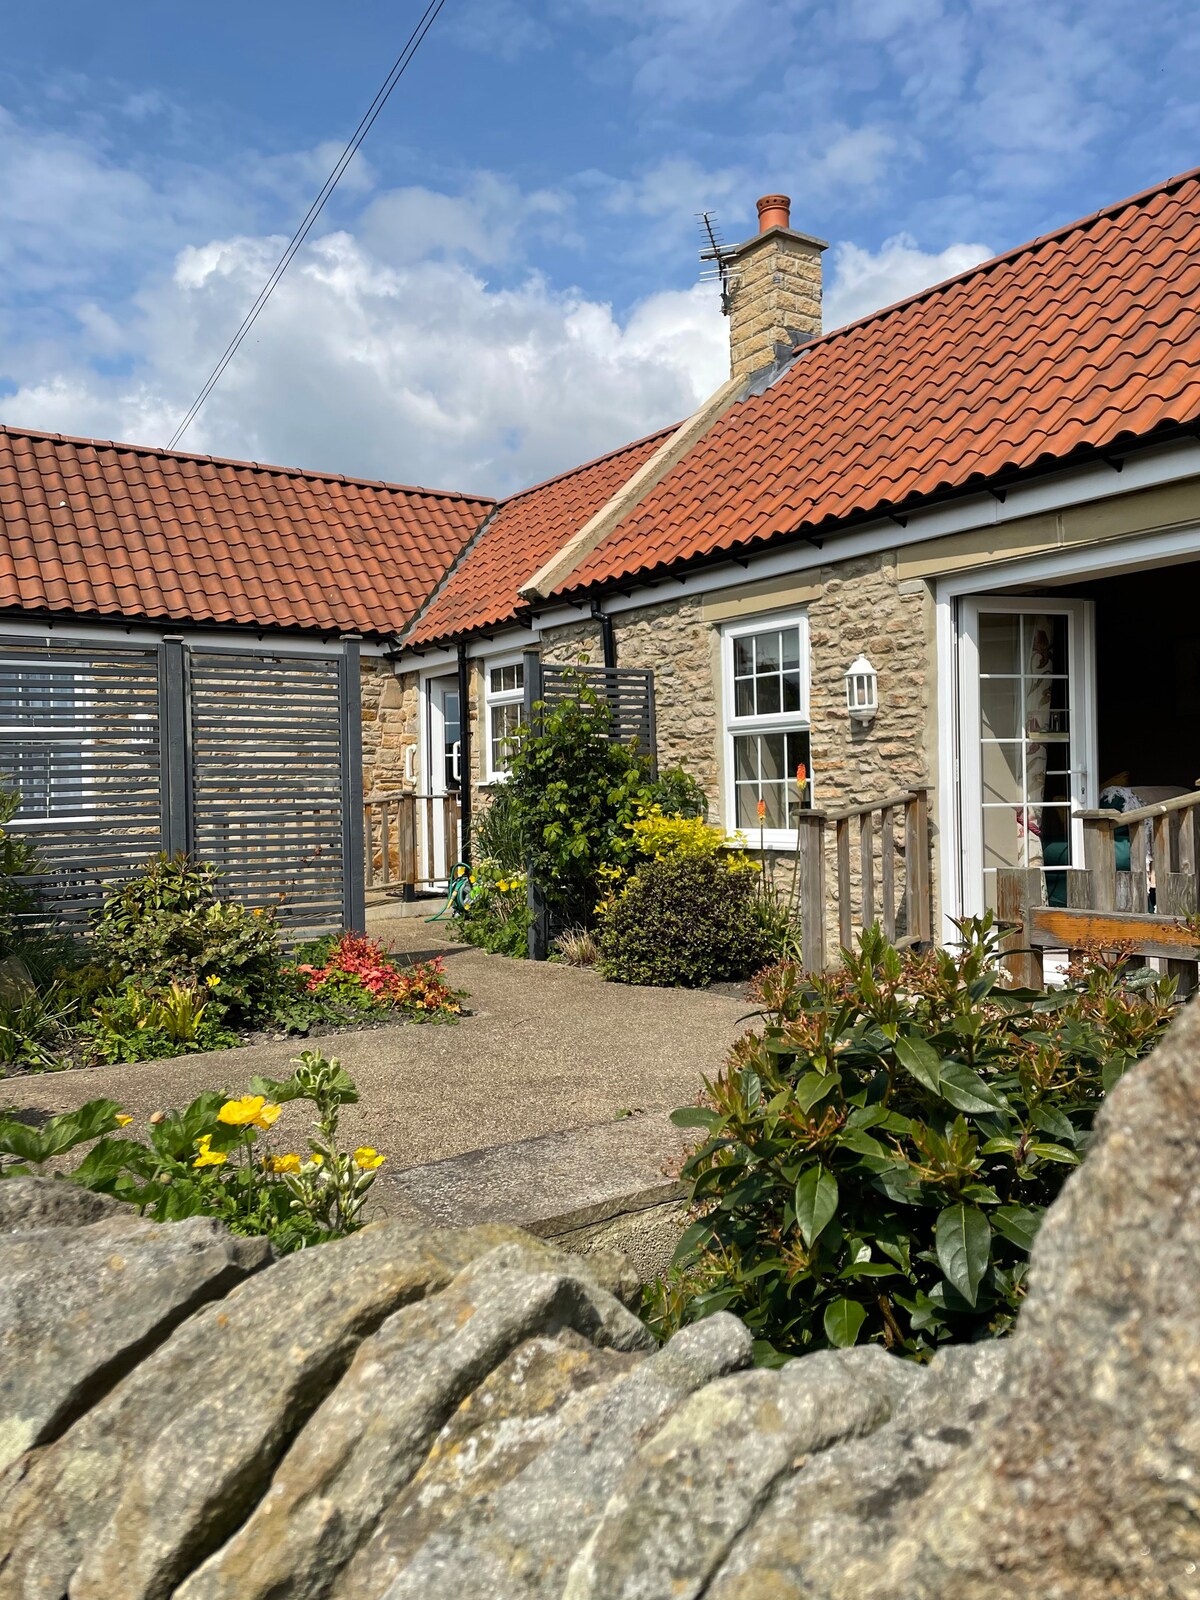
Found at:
[1026, 738]
[443, 768]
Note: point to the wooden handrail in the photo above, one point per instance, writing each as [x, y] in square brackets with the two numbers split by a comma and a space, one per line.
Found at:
[1122, 819]
[888, 803]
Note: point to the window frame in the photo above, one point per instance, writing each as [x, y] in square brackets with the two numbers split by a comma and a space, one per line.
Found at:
[799, 721]
[501, 697]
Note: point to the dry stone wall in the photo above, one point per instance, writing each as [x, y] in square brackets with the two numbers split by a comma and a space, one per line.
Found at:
[472, 1415]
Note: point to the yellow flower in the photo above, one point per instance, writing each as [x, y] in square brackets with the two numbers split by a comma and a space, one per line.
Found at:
[122, 1120]
[260, 911]
[368, 1159]
[250, 1111]
[288, 1163]
[208, 1157]
[212, 980]
[316, 1159]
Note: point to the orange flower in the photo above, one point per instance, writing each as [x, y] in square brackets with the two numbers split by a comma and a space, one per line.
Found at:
[762, 811]
[801, 777]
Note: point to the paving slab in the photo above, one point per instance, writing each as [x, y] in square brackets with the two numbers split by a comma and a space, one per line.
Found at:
[546, 1048]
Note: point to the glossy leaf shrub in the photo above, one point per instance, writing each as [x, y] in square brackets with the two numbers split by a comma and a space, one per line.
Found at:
[876, 1161]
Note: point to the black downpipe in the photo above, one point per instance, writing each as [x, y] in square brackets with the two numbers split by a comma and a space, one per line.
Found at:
[464, 752]
[608, 639]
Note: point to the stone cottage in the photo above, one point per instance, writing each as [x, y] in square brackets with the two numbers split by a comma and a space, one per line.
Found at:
[986, 499]
[952, 548]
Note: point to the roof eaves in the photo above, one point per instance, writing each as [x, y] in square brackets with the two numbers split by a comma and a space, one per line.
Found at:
[818, 533]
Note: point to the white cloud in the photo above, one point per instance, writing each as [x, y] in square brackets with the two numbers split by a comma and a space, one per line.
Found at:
[862, 281]
[416, 372]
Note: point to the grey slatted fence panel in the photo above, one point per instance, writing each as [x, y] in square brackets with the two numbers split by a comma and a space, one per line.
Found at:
[267, 782]
[80, 742]
[629, 692]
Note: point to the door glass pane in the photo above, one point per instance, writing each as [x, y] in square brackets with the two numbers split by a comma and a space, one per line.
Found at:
[1029, 777]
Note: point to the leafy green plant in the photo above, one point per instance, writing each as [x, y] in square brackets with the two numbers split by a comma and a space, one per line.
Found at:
[573, 792]
[212, 1158]
[138, 1024]
[876, 1162]
[497, 834]
[167, 925]
[675, 793]
[18, 862]
[683, 919]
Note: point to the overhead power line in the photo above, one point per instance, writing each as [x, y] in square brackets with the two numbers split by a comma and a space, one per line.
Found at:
[399, 67]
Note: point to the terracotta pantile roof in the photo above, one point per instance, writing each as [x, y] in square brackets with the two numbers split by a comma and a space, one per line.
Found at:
[1086, 339]
[525, 531]
[99, 529]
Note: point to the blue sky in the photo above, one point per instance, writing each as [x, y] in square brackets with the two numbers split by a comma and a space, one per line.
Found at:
[505, 284]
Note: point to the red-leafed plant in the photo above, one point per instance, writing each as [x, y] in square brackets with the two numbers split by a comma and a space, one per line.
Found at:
[359, 971]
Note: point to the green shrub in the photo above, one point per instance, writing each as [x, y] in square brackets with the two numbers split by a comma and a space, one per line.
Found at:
[573, 793]
[166, 926]
[676, 794]
[683, 919]
[878, 1160]
[212, 1159]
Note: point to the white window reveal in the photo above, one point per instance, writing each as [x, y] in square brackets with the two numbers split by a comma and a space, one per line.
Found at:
[505, 697]
[765, 673]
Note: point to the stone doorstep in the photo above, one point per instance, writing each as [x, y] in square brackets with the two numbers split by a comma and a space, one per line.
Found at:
[555, 1184]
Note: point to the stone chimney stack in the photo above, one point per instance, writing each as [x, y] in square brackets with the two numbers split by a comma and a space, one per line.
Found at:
[775, 279]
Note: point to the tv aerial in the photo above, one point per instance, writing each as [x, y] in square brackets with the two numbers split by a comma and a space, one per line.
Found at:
[719, 255]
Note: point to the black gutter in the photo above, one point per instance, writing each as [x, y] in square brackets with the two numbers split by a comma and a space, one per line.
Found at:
[608, 639]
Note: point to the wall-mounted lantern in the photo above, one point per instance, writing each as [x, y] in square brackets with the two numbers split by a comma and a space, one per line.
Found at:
[862, 691]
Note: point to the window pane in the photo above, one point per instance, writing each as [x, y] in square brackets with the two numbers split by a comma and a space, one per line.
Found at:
[743, 656]
[743, 697]
[507, 679]
[505, 721]
[1001, 838]
[773, 756]
[745, 759]
[769, 700]
[766, 652]
[1002, 776]
[791, 691]
[765, 769]
[791, 647]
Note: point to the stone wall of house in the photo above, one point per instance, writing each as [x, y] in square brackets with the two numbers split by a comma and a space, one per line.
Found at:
[390, 721]
[855, 607]
[863, 609]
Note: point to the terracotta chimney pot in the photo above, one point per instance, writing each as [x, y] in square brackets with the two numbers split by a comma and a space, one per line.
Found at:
[774, 211]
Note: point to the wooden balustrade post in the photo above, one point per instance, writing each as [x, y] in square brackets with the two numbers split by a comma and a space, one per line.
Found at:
[406, 845]
[845, 905]
[369, 839]
[1018, 890]
[811, 844]
[1100, 861]
[920, 916]
[866, 860]
[887, 869]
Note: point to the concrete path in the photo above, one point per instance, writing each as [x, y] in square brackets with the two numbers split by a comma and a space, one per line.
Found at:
[546, 1048]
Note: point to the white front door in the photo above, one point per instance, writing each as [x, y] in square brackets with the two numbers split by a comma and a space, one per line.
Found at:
[443, 767]
[1025, 738]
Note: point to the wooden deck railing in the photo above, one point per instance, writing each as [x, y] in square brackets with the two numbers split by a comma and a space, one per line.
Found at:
[881, 873]
[395, 827]
[1144, 909]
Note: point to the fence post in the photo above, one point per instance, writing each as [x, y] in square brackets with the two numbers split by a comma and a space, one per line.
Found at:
[1018, 890]
[354, 904]
[538, 939]
[174, 746]
[811, 844]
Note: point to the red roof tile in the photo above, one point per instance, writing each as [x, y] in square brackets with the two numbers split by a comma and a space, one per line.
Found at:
[524, 532]
[1086, 339]
[99, 529]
